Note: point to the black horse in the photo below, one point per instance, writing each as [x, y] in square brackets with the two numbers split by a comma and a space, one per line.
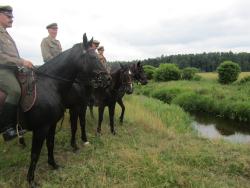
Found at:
[54, 79]
[121, 83]
[138, 75]
[76, 101]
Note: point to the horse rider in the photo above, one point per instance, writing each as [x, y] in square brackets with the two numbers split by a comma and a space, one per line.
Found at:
[95, 44]
[9, 86]
[50, 46]
[101, 57]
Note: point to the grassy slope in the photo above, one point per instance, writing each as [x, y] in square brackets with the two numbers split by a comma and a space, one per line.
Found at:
[154, 148]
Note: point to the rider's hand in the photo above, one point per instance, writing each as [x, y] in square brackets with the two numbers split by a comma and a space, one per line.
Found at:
[27, 63]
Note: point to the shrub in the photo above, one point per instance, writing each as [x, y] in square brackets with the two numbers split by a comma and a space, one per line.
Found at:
[189, 73]
[197, 77]
[166, 94]
[167, 72]
[149, 71]
[228, 72]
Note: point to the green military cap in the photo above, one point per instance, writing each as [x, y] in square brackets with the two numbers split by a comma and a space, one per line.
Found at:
[96, 42]
[52, 26]
[100, 48]
[7, 10]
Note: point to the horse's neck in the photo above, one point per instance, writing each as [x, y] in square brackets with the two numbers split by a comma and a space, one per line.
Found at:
[133, 68]
[60, 71]
[116, 81]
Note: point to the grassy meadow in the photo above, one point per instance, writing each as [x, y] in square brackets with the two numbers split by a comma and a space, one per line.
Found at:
[214, 75]
[155, 147]
[206, 95]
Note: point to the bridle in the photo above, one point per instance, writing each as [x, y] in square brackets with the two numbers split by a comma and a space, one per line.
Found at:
[125, 80]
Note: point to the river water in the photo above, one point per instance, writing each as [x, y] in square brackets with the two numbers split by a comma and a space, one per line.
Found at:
[213, 128]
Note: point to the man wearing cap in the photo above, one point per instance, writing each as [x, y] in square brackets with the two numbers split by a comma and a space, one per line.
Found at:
[95, 44]
[50, 46]
[102, 59]
[9, 86]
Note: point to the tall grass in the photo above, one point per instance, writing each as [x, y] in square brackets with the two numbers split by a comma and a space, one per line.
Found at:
[155, 147]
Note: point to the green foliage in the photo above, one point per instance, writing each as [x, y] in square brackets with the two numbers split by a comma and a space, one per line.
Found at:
[189, 73]
[149, 71]
[166, 94]
[228, 72]
[227, 101]
[167, 72]
[197, 77]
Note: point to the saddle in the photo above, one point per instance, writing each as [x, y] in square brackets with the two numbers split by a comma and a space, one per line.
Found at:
[26, 78]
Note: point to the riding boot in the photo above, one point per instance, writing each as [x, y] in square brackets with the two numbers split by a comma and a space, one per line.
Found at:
[8, 120]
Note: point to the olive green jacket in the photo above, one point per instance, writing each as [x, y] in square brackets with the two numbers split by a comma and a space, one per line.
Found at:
[50, 48]
[8, 51]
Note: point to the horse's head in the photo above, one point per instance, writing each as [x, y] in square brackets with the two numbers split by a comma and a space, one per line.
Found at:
[138, 73]
[126, 79]
[94, 71]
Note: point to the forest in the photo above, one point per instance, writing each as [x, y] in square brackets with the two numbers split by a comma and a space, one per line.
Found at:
[206, 62]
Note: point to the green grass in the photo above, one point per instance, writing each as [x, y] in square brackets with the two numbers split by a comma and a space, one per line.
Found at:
[155, 147]
[214, 75]
[207, 95]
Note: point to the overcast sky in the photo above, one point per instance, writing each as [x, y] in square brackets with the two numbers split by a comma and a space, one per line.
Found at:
[134, 29]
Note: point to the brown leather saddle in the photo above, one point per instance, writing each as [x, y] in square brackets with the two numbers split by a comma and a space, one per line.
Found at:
[26, 78]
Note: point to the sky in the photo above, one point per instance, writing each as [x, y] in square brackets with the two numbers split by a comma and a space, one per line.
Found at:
[133, 29]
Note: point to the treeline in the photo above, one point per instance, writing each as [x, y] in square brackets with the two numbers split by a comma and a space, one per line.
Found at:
[206, 62]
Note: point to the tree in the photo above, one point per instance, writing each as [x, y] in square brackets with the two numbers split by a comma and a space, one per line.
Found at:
[228, 72]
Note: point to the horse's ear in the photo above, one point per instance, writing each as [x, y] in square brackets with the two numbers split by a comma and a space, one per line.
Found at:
[121, 65]
[90, 42]
[85, 41]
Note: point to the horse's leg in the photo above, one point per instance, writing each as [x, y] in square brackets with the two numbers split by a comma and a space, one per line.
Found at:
[37, 143]
[73, 123]
[100, 118]
[111, 118]
[120, 102]
[50, 146]
[82, 116]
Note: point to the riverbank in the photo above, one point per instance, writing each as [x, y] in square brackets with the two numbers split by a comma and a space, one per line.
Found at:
[207, 95]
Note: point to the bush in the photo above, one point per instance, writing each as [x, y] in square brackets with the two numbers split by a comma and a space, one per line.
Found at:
[228, 72]
[197, 77]
[167, 72]
[166, 94]
[189, 73]
[149, 71]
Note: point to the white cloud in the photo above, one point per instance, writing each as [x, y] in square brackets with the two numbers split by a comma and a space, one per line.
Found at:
[134, 29]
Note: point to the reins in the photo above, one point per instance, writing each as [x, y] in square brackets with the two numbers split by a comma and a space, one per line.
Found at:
[15, 68]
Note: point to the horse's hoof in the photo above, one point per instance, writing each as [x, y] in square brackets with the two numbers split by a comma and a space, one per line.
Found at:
[113, 132]
[86, 143]
[54, 165]
[33, 184]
